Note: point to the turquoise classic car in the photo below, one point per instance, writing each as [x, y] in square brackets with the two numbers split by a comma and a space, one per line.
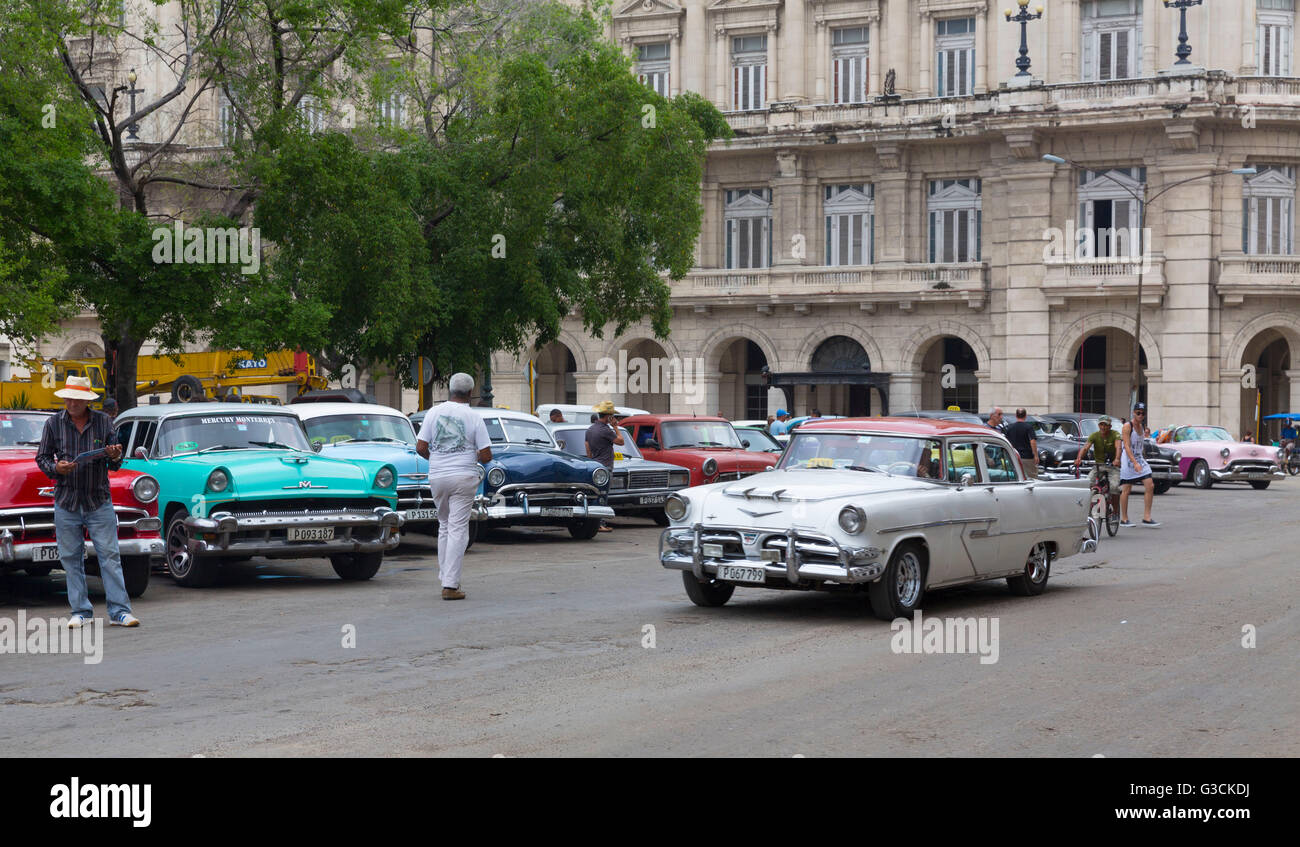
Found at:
[238, 482]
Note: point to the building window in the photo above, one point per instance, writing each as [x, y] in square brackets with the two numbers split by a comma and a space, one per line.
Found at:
[652, 63]
[227, 121]
[850, 224]
[954, 207]
[313, 116]
[748, 220]
[1276, 20]
[955, 61]
[749, 73]
[1112, 39]
[1109, 214]
[1268, 211]
[392, 110]
[849, 62]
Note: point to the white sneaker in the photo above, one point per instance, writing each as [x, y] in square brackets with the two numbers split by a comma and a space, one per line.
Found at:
[126, 619]
[77, 621]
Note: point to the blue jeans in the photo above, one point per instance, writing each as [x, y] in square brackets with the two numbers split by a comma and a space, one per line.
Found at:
[70, 527]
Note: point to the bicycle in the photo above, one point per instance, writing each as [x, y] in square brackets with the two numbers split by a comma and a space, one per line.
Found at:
[1102, 508]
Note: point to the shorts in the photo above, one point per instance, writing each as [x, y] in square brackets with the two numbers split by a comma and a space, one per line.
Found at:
[1135, 479]
[1111, 472]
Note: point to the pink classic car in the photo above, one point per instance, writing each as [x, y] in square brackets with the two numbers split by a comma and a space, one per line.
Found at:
[1211, 455]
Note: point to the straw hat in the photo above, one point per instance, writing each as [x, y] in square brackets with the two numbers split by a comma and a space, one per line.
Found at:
[77, 388]
[604, 408]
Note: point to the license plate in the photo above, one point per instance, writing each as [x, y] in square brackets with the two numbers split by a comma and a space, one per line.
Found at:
[555, 513]
[49, 553]
[736, 573]
[652, 500]
[422, 514]
[311, 533]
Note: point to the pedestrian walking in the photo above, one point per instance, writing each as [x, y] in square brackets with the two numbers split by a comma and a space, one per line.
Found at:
[1133, 469]
[1021, 436]
[78, 448]
[601, 438]
[454, 439]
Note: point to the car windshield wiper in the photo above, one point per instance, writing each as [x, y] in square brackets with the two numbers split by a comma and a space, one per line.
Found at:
[273, 445]
[537, 441]
[217, 447]
[861, 468]
[32, 443]
[381, 438]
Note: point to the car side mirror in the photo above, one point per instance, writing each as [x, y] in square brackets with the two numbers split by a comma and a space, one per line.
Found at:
[141, 453]
[315, 446]
[968, 479]
[744, 442]
[651, 444]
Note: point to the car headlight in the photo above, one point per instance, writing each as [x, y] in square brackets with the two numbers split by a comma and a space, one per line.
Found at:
[676, 507]
[679, 478]
[1059, 455]
[1279, 454]
[852, 520]
[496, 477]
[710, 467]
[618, 482]
[600, 477]
[384, 479]
[1224, 452]
[145, 488]
[218, 481]
[1178, 457]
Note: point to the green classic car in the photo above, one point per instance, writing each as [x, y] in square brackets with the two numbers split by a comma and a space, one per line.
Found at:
[238, 482]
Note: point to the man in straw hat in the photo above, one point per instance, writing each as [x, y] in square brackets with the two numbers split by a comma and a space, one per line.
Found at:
[82, 502]
[602, 435]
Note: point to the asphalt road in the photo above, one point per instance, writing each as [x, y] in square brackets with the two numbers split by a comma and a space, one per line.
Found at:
[1135, 650]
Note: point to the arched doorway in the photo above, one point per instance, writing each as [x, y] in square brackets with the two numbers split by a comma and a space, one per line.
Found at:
[948, 375]
[840, 355]
[1270, 354]
[556, 375]
[1103, 366]
[742, 393]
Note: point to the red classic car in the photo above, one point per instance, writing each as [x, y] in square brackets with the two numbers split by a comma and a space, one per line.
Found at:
[27, 509]
[705, 445]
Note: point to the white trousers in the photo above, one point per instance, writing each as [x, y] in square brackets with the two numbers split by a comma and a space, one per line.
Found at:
[453, 493]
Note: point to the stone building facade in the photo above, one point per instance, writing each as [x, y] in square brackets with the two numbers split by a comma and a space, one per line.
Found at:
[883, 232]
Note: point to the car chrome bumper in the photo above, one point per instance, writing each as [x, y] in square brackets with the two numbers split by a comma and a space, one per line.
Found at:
[632, 499]
[580, 507]
[856, 564]
[383, 523]
[11, 551]
[1231, 475]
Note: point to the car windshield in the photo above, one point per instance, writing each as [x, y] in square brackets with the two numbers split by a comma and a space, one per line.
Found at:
[1203, 433]
[1089, 426]
[195, 433]
[698, 434]
[759, 440]
[340, 429]
[516, 431]
[574, 440]
[1042, 427]
[895, 454]
[19, 429]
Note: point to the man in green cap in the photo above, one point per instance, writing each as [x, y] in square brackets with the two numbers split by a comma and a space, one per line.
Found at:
[1104, 445]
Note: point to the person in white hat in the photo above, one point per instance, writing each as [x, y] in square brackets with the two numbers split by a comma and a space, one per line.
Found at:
[83, 504]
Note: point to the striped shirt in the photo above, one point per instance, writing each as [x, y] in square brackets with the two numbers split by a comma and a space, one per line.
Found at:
[86, 487]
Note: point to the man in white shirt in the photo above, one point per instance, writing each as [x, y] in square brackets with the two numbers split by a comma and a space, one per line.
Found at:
[454, 440]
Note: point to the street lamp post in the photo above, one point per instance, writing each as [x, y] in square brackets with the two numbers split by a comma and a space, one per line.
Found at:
[1184, 49]
[1142, 201]
[1023, 17]
[133, 128]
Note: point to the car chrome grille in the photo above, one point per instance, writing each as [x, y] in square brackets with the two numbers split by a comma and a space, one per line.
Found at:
[37, 523]
[647, 479]
[1250, 466]
[559, 494]
[300, 506]
[812, 550]
[415, 497]
[732, 548]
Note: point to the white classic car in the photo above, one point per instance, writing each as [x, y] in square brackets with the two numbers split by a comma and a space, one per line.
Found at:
[893, 506]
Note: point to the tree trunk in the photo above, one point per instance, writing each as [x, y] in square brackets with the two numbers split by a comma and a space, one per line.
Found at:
[121, 356]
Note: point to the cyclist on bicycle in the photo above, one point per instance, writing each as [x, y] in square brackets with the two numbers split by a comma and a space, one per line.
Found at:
[1288, 440]
[1105, 444]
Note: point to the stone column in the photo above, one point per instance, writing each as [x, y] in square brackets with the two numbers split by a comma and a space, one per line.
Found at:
[1065, 23]
[1060, 390]
[1294, 386]
[722, 69]
[891, 194]
[1153, 28]
[1187, 324]
[588, 393]
[876, 61]
[1028, 192]
[904, 392]
[675, 64]
[981, 49]
[708, 251]
[788, 206]
[924, 87]
[821, 61]
[792, 53]
[1249, 39]
[680, 401]
[983, 391]
[775, 72]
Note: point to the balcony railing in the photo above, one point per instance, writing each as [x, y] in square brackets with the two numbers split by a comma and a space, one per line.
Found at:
[1268, 276]
[1105, 277]
[867, 285]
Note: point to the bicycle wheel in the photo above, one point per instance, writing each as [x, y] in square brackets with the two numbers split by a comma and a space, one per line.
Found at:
[1293, 466]
[1112, 520]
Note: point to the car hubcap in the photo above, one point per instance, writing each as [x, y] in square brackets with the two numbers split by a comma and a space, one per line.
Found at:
[1201, 473]
[178, 554]
[909, 580]
[1037, 564]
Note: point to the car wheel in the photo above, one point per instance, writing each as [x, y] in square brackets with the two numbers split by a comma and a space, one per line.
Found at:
[357, 566]
[135, 573]
[1201, 475]
[38, 570]
[473, 534]
[1260, 484]
[583, 530]
[1037, 568]
[711, 593]
[187, 569]
[660, 518]
[898, 593]
[1162, 487]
